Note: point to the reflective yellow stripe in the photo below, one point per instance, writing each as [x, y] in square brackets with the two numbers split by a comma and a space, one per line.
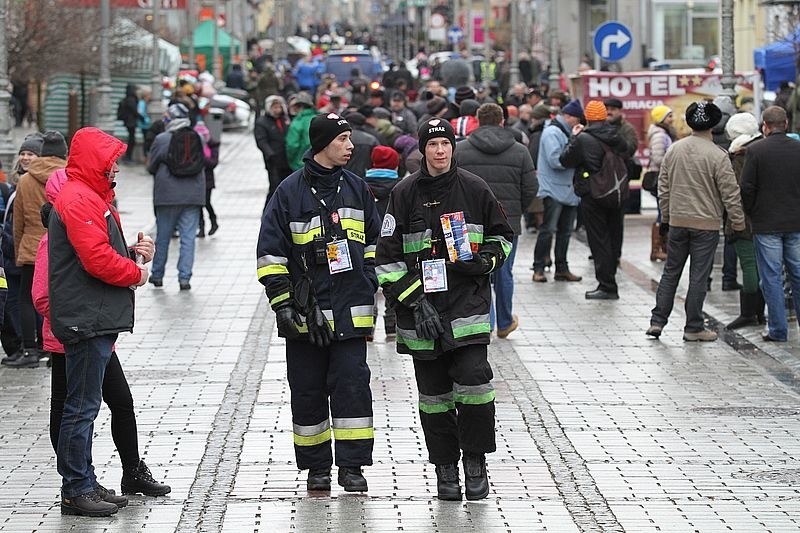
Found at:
[353, 434]
[272, 270]
[307, 237]
[352, 224]
[279, 298]
[363, 321]
[3, 283]
[414, 286]
[369, 255]
[312, 440]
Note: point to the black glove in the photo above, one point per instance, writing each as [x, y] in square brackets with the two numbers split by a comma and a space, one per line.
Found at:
[319, 331]
[663, 229]
[288, 320]
[479, 265]
[426, 320]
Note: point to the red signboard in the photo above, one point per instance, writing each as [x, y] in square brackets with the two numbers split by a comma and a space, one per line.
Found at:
[128, 4]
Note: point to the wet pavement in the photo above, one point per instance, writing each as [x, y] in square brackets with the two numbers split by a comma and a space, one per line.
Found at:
[599, 428]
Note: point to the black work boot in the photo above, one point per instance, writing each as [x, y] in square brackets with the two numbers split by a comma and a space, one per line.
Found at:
[28, 359]
[351, 479]
[476, 483]
[447, 485]
[13, 357]
[139, 479]
[319, 479]
[89, 504]
[748, 311]
[110, 496]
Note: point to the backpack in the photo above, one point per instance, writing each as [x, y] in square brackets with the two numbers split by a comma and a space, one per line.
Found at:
[609, 185]
[185, 158]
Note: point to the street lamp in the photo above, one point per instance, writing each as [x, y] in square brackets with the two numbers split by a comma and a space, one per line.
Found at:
[6, 142]
[553, 78]
[105, 121]
[513, 71]
[728, 58]
[155, 108]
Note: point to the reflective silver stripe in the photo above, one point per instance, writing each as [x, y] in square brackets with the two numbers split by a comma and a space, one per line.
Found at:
[475, 228]
[352, 423]
[370, 248]
[329, 314]
[388, 268]
[417, 236]
[408, 334]
[310, 431]
[2, 272]
[436, 400]
[349, 212]
[469, 321]
[305, 227]
[362, 310]
[473, 390]
[267, 260]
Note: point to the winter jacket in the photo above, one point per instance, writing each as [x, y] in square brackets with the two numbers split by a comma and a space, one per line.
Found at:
[39, 290]
[361, 158]
[659, 141]
[297, 139]
[406, 120]
[555, 181]
[307, 75]
[293, 218]
[128, 111]
[381, 182]
[7, 242]
[695, 184]
[492, 153]
[89, 264]
[534, 137]
[412, 232]
[770, 186]
[167, 188]
[738, 153]
[30, 197]
[585, 153]
[270, 134]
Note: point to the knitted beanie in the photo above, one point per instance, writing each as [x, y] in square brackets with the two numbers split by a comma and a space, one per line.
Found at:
[324, 129]
[595, 111]
[385, 157]
[434, 128]
[54, 144]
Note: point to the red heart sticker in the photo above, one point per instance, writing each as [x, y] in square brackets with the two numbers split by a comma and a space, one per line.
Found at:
[335, 217]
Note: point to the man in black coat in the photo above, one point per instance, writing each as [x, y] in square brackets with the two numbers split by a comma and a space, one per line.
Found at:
[770, 196]
[270, 133]
[585, 153]
[492, 152]
[363, 143]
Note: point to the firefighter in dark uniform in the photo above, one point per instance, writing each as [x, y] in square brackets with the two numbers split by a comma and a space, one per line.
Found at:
[316, 258]
[442, 305]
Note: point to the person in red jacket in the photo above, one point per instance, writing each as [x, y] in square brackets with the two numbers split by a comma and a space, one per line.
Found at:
[92, 274]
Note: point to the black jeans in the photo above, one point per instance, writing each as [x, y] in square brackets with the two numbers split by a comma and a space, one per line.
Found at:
[684, 243]
[131, 142]
[604, 233]
[116, 394]
[559, 219]
[27, 313]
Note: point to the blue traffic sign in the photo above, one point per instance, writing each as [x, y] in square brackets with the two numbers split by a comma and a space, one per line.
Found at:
[455, 34]
[612, 41]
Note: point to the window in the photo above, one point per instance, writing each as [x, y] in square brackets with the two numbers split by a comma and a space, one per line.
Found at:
[685, 32]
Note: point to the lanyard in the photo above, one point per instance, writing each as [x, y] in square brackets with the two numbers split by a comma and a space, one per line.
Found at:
[323, 205]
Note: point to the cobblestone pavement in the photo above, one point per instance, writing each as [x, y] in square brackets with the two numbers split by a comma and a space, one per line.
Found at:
[599, 428]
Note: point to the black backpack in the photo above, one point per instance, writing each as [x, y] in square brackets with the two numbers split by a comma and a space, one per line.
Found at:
[609, 186]
[185, 158]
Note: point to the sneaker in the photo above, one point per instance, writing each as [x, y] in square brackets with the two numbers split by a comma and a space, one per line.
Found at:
[139, 479]
[110, 496]
[185, 285]
[705, 335]
[157, 282]
[351, 479]
[89, 504]
[504, 332]
[28, 359]
[566, 276]
[539, 277]
[319, 479]
[654, 331]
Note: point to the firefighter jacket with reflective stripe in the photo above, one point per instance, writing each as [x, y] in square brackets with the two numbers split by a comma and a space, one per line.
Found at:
[412, 232]
[286, 251]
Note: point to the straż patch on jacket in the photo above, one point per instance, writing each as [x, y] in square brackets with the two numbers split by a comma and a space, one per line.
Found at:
[389, 223]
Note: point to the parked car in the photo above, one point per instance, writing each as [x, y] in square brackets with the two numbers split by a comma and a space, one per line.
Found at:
[233, 103]
[341, 62]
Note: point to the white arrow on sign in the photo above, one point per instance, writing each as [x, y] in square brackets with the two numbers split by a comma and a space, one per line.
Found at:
[620, 39]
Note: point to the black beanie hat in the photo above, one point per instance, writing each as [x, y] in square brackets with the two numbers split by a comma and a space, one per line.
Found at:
[324, 129]
[54, 144]
[32, 143]
[464, 93]
[435, 127]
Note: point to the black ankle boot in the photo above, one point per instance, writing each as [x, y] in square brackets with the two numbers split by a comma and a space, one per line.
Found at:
[319, 479]
[748, 311]
[351, 479]
[89, 504]
[447, 485]
[110, 496]
[214, 227]
[476, 482]
[139, 479]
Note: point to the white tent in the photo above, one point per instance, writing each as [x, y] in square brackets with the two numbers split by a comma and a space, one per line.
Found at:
[132, 46]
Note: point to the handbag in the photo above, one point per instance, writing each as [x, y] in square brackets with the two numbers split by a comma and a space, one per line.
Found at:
[650, 181]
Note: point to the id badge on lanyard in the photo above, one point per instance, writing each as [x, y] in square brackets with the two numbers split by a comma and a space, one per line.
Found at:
[339, 257]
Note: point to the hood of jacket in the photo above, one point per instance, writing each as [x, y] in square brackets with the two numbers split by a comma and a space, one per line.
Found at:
[93, 154]
[492, 139]
[608, 134]
[54, 184]
[42, 167]
[275, 98]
